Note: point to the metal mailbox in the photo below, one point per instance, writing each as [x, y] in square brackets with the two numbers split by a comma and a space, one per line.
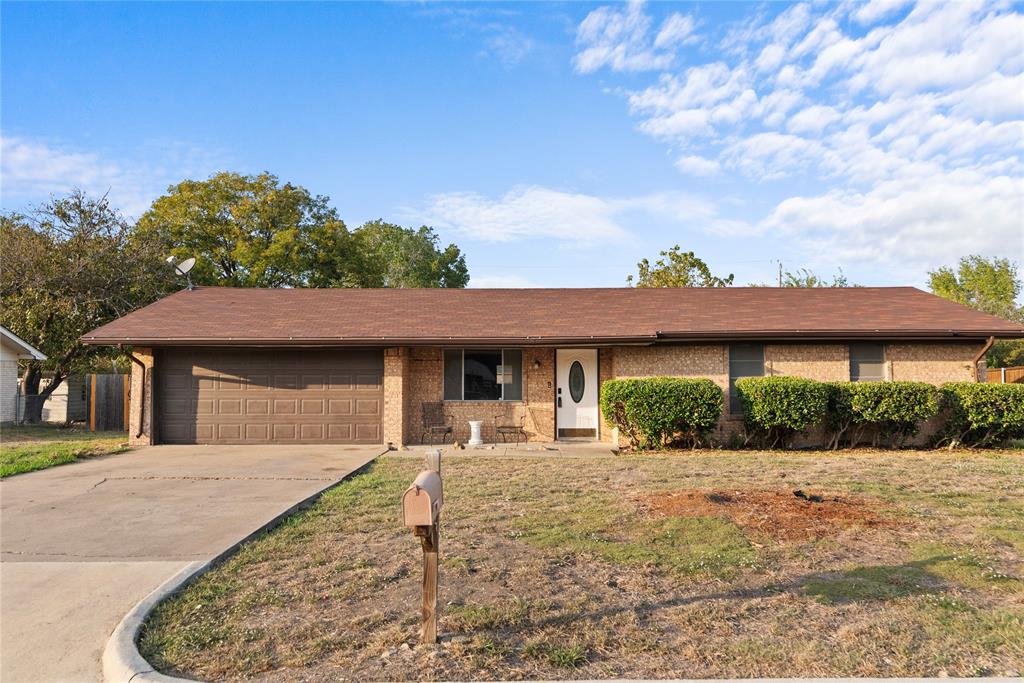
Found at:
[421, 502]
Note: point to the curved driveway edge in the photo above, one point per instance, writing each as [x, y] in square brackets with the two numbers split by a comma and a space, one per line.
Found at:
[83, 543]
[122, 661]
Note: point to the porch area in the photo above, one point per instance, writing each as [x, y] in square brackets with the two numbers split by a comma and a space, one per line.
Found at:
[522, 397]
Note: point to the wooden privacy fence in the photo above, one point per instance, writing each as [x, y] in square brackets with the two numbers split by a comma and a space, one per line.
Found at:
[1013, 375]
[108, 403]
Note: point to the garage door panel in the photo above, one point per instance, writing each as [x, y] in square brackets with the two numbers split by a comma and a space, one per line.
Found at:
[339, 406]
[367, 407]
[286, 406]
[257, 406]
[270, 396]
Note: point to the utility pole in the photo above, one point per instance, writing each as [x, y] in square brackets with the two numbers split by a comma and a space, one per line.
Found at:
[780, 273]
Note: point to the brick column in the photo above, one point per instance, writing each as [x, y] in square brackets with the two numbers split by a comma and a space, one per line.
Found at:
[141, 400]
[396, 376]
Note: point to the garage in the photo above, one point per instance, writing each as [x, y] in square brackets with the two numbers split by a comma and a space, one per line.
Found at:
[242, 396]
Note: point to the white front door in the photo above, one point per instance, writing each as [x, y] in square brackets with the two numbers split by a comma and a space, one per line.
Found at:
[576, 393]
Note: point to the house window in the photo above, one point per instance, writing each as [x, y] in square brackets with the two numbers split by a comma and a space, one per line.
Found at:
[867, 362]
[483, 375]
[745, 360]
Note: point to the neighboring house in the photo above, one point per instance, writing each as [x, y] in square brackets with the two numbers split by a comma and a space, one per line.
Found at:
[12, 349]
[357, 365]
[69, 402]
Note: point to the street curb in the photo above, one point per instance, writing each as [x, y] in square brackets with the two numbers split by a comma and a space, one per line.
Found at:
[122, 661]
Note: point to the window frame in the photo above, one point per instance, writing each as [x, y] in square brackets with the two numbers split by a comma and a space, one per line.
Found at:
[462, 374]
[883, 361]
[734, 405]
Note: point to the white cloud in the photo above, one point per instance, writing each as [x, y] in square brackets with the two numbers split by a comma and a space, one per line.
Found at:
[902, 124]
[32, 170]
[872, 11]
[675, 30]
[621, 39]
[813, 119]
[698, 165]
[535, 212]
[908, 222]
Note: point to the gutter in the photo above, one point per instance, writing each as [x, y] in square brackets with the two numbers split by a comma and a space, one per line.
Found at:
[142, 397]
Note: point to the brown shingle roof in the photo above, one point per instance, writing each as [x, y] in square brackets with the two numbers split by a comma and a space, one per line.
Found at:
[221, 315]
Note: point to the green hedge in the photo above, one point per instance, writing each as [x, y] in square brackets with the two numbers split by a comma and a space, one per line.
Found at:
[889, 411]
[778, 408]
[656, 411]
[982, 414]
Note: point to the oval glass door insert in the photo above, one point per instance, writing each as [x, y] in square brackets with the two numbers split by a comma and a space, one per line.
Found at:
[576, 381]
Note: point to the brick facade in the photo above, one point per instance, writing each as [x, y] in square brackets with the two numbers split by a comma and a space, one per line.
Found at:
[426, 384]
[414, 375]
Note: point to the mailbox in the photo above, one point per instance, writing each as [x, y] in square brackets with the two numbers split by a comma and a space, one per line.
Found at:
[421, 502]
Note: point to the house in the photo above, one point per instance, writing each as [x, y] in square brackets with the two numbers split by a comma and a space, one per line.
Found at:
[12, 349]
[69, 402]
[225, 365]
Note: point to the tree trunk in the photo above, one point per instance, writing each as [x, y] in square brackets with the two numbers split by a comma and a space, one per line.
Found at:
[34, 399]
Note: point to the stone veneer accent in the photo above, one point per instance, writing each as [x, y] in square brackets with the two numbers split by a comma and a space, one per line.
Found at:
[136, 389]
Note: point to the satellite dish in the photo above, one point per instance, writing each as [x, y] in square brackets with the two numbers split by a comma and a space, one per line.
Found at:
[185, 266]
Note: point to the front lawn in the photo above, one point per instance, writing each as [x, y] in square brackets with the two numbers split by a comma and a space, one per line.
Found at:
[35, 447]
[695, 565]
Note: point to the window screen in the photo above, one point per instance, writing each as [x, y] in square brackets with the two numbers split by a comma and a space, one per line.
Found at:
[745, 360]
[453, 375]
[512, 375]
[867, 362]
[483, 375]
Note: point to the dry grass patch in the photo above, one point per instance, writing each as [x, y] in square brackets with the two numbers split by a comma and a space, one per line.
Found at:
[557, 568]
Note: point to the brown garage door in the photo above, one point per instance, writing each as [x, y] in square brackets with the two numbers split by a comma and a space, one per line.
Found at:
[269, 396]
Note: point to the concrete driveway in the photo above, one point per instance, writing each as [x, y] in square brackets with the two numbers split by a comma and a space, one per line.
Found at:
[83, 543]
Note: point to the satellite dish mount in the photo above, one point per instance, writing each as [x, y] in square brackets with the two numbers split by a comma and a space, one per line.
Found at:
[183, 269]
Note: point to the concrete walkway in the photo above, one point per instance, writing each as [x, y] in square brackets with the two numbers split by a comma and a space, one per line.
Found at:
[81, 544]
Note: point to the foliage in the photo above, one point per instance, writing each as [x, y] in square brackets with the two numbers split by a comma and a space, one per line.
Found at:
[249, 231]
[883, 410]
[778, 408]
[393, 256]
[655, 411]
[677, 269]
[991, 285]
[254, 231]
[68, 268]
[981, 414]
[803, 277]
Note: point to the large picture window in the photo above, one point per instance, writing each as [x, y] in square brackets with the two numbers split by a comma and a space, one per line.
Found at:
[483, 375]
[745, 360]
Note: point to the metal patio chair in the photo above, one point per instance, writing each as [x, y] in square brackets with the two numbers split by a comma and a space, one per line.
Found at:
[435, 422]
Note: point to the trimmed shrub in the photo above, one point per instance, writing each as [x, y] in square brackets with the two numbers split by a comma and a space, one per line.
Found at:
[892, 411]
[979, 414]
[655, 411]
[776, 409]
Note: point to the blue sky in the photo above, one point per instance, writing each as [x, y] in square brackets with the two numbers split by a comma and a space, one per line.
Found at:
[557, 144]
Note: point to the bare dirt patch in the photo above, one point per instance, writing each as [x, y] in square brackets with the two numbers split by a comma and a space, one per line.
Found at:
[788, 515]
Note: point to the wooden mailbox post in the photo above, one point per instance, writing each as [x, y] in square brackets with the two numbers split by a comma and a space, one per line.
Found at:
[421, 510]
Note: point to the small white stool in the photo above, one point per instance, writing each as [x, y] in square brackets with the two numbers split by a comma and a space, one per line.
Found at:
[474, 433]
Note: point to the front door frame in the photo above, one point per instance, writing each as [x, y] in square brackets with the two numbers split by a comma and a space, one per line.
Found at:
[596, 436]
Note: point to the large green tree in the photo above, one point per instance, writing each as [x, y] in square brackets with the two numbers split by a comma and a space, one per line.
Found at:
[992, 285]
[69, 267]
[393, 256]
[254, 231]
[251, 231]
[677, 268]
